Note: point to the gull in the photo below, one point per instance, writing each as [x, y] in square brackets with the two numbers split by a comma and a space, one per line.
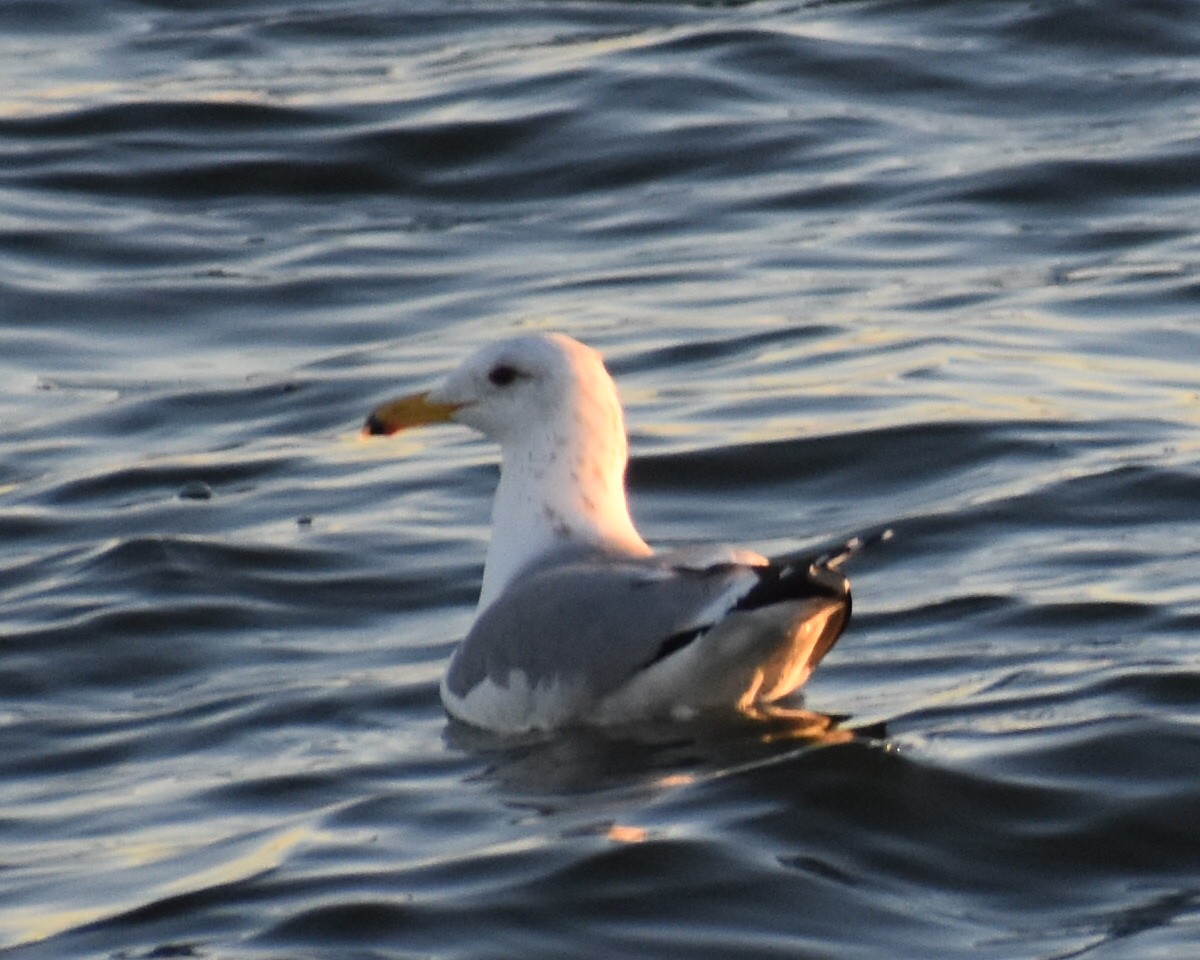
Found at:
[579, 621]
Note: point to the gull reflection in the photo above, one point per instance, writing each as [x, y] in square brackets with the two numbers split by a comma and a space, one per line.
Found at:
[647, 758]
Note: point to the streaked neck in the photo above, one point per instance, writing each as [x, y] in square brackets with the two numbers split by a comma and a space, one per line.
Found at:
[552, 494]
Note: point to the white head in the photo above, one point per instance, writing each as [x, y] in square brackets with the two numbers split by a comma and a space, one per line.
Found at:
[551, 404]
[508, 389]
[516, 388]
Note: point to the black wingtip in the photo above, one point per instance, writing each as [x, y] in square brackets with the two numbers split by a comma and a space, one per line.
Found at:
[796, 576]
[777, 584]
[834, 559]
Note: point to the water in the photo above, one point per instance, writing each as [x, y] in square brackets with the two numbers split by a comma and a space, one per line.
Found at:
[927, 265]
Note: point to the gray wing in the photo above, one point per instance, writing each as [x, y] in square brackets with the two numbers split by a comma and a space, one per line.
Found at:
[595, 621]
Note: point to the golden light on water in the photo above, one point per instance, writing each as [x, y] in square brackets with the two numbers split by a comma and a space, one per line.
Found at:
[621, 833]
[29, 924]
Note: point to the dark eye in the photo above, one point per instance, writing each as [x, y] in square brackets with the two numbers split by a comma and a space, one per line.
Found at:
[503, 375]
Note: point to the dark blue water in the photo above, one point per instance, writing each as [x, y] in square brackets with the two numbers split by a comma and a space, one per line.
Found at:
[928, 265]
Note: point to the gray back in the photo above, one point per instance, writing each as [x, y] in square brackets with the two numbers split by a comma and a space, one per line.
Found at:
[585, 617]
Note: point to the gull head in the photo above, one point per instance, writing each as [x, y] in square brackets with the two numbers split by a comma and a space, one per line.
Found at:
[514, 390]
[553, 408]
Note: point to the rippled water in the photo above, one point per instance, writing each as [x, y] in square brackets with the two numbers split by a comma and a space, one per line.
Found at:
[928, 265]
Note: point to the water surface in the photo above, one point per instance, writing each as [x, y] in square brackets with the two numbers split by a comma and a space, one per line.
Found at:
[923, 265]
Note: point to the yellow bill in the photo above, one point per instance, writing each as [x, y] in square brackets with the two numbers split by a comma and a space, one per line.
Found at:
[412, 411]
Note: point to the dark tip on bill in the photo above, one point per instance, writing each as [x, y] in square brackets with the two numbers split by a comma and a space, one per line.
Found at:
[375, 427]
